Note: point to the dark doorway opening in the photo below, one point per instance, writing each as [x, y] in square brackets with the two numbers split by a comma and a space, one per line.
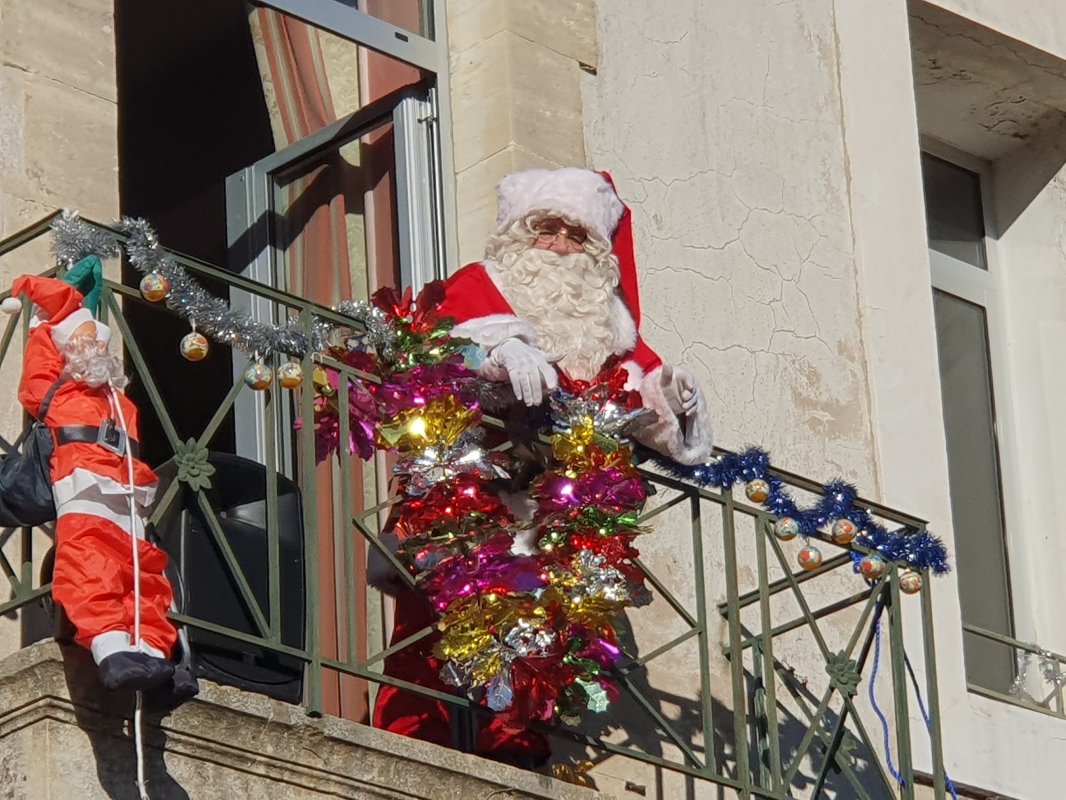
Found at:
[191, 111]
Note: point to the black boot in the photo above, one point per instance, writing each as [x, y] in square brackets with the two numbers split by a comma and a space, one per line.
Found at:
[134, 670]
[167, 696]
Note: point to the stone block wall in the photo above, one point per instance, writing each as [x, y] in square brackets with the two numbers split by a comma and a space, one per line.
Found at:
[58, 148]
[516, 97]
[63, 736]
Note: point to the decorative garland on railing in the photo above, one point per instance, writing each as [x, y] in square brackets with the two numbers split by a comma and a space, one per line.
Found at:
[1050, 670]
[836, 509]
[165, 280]
[527, 628]
[528, 610]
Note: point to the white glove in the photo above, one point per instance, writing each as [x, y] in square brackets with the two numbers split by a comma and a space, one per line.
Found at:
[680, 390]
[530, 370]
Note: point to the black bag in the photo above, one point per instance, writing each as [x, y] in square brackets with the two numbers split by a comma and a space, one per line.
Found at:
[26, 474]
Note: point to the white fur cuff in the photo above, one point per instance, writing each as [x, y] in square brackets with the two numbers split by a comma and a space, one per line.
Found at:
[489, 331]
[691, 444]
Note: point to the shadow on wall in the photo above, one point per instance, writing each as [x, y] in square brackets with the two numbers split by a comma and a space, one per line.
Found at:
[628, 724]
[106, 718]
[1023, 175]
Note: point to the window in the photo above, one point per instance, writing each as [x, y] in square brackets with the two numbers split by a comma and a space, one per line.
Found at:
[354, 196]
[966, 300]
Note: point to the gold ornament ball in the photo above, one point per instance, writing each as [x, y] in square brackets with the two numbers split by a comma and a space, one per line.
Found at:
[910, 581]
[844, 531]
[757, 490]
[194, 346]
[154, 287]
[872, 567]
[786, 529]
[810, 557]
[258, 376]
[290, 374]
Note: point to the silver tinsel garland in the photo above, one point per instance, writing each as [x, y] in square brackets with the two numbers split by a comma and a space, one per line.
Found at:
[73, 239]
[1050, 671]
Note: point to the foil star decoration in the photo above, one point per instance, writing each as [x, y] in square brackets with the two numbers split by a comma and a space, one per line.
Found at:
[527, 638]
[435, 464]
[500, 692]
[591, 581]
[595, 415]
[596, 695]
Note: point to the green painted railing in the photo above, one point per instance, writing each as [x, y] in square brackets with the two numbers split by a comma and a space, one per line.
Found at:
[752, 675]
[1039, 678]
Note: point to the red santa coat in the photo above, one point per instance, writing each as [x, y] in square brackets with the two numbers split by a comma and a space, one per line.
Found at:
[73, 403]
[475, 300]
[94, 570]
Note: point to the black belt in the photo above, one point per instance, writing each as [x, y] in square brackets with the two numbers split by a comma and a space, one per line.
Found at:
[107, 436]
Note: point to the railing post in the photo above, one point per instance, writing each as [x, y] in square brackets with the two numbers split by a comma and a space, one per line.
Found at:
[899, 688]
[936, 744]
[308, 476]
[763, 659]
[736, 649]
[706, 697]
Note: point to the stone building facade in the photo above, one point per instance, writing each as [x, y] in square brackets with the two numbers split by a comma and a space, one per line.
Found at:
[772, 155]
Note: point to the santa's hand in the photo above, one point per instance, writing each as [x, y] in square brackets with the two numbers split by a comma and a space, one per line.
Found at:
[681, 391]
[530, 371]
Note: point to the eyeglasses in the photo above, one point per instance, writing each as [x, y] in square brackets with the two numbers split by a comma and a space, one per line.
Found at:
[551, 228]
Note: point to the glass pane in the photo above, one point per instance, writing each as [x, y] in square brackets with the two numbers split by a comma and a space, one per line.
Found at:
[311, 77]
[953, 211]
[976, 497]
[334, 237]
[335, 221]
[415, 16]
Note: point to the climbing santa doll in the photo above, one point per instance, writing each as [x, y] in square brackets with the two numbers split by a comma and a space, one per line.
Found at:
[556, 295]
[108, 579]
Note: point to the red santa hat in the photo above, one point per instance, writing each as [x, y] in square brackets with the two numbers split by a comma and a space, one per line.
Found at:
[56, 304]
[582, 197]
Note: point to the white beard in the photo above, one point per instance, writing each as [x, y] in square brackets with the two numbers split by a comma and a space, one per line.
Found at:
[567, 299]
[90, 365]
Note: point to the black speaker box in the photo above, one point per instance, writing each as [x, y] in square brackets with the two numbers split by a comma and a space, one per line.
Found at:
[206, 590]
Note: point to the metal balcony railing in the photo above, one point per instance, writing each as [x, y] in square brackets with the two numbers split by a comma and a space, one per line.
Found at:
[1039, 675]
[753, 675]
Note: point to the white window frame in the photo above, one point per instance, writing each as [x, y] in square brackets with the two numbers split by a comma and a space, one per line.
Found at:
[425, 184]
[985, 288]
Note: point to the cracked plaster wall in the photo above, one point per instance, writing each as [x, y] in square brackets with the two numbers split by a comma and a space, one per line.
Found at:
[1041, 23]
[722, 125]
[770, 153]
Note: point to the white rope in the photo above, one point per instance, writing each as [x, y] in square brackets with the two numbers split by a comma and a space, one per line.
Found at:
[138, 731]
[138, 743]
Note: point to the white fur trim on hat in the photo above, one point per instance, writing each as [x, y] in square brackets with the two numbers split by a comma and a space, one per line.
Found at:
[10, 305]
[578, 195]
[64, 329]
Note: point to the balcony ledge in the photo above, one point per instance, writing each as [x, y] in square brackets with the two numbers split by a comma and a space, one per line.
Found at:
[62, 735]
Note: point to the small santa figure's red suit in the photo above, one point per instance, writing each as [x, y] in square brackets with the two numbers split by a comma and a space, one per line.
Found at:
[557, 291]
[101, 489]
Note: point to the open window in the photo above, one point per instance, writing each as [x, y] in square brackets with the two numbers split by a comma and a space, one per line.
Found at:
[354, 197]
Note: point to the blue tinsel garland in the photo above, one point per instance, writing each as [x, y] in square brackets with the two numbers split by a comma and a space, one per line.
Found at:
[917, 549]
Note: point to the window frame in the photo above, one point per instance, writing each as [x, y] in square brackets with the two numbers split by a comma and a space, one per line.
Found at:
[340, 17]
[425, 177]
[985, 288]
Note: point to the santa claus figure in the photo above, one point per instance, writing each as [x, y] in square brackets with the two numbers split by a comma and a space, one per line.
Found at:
[556, 293]
[107, 578]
